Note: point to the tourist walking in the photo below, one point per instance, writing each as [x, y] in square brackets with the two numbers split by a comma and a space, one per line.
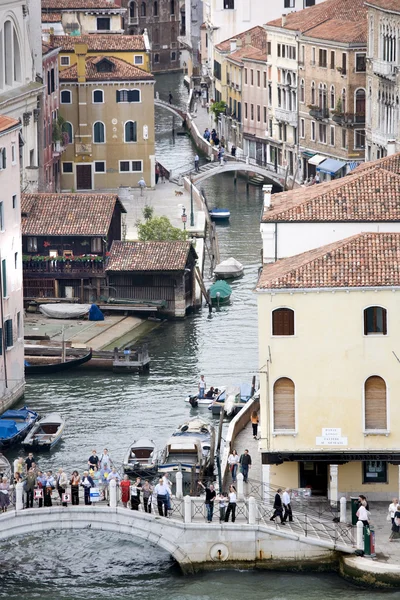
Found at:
[93, 460]
[288, 515]
[202, 387]
[278, 510]
[125, 486]
[209, 501]
[4, 494]
[142, 185]
[196, 163]
[245, 464]
[157, 173]
[392, 509]
[231, 510]
[233, 461]
[395, 533]
[161, 492]
[223, 501]
[135, 494]
[254, 423]
[30, 484]
[75, 482]
[62, 482]
[147, 491]
[87, 483]
[168, 484]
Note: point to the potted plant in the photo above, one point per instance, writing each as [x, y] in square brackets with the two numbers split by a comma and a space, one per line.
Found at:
[58, 133]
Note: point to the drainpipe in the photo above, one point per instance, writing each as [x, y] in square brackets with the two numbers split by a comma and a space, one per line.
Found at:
[276, 242]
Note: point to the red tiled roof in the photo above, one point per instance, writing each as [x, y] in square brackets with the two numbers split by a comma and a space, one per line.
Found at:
[338, 10]
[7, 123]
[369, 195]
[78, 4]
[67, 214]
[389, 163]
[101, 42]
[363, 260]
[149, 256]
[256, 35]
[51, 17]
[341, 31]
[247, 52]
[390, 5]
[122, 71]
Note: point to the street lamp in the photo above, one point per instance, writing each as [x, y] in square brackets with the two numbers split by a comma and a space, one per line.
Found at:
[191, 201]
[184, 218]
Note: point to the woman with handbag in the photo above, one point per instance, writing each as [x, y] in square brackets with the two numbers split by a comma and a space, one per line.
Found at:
[233, 462]
[395, 534]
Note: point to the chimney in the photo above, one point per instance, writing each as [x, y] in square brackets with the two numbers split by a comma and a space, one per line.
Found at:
[247, 39]
[283, 20]
[238, 43]
[391, 147]
[81, 52]
[267, 191]
[233, 45]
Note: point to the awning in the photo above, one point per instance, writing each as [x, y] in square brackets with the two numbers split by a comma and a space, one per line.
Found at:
[316, 159]
[307, 154]
[331, 166]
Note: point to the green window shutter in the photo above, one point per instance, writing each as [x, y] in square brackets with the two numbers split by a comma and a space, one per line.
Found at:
[118, 96]
[9, 333]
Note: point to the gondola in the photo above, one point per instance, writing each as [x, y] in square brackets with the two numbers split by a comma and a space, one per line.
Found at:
[44, 369]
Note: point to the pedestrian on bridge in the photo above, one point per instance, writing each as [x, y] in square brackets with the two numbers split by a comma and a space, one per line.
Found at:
[209, 502]
[75, 481]
[4, 494]
[170, 98]
[278, 510]
[147, 494]
[125, 486]
[231, 510]
[30, 484]
[135, 494]
[196, 163]
[245, 464]
[161, 492]
[254, 423]
[87, 483]
[233, 461]
[287, 506]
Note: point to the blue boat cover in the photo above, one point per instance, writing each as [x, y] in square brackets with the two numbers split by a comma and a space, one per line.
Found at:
[95, 313]
[23, 413]
[7, 429]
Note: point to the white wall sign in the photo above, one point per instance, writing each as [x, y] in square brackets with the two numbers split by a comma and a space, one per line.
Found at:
[331, 436]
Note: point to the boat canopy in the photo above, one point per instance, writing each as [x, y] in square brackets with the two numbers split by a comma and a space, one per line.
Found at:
[23, 413]
[7, 429]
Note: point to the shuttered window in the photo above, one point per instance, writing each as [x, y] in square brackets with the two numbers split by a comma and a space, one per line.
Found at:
[284, 408]
[8, 326]
[283, 321]
[375, 320]
[375, 404]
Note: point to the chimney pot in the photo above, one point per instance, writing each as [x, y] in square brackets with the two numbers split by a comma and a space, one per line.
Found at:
[267, 190]
[233, 45]
[283, 20]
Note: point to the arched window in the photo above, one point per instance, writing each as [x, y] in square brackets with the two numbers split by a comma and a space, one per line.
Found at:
[375, 320]
[155, 9]
[322, 95]
[98, 96]
[302, 95]
[172, 7]
[283, 321]
[132, 10]
[375, 399]
[143, 9]
[359, 102]
[130, 131]
[99, 134]
[68, 129]
[284, 405]
[17, 58]
[66, 97]
[313, 92]
[332, 97]
[8, 65]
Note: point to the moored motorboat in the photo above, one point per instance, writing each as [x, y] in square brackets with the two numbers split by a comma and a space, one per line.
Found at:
[229, 269]
[141, 459]
[46, 433]
[15, 424]
[189, 450]
[213, 394]
[220, 292]
[220, 214]
[236, 397]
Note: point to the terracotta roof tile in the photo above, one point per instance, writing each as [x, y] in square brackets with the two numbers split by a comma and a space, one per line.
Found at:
[78, 4]
[122, 71]
[339, 10]
[372, 195]
[256, 35]
[7, 123]
[51, 17]
[248, 52]
[341, 31]
[391, 5]
[67, 214]
[149, 256]
[363, 260]
[389, 163]
[101, 42]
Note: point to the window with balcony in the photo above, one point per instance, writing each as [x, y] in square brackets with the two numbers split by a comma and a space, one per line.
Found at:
[375, 404]
[284, 405]
[96, 245]
[375, 320]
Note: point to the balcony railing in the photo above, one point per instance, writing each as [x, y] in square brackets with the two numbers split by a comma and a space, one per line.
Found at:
[384, 68]
[287, 116]
[319, 113]
[349, 119]
[63, 266]
[382, 139]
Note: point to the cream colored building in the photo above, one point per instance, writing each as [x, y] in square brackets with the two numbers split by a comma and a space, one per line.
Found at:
[108, 106]
[383, 82]
[82, 16]
[329, 347]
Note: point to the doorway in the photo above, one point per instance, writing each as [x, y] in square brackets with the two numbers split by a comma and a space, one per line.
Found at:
[83, 177]
[314, 475]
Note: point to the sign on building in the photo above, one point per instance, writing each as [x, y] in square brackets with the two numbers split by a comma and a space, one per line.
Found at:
[331, 436]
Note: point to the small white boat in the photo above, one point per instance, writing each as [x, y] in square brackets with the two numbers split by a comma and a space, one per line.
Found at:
[141, 459]
[229, 269]
[212, 395]
[46, 433]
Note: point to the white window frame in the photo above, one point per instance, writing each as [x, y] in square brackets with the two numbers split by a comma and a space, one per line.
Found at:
[99, 172]
[102, 95]
[138, 59]
[70, 97]
[137, 133]
[302, 129]
[67, 58]
[13, 153]
[67, 172]
[276, 432]
[332, 128]
[105, 136]
[354, 138]
[130, 161]
[313, 131]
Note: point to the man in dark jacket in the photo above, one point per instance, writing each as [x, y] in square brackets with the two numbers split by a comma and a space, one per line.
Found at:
[245, 464]
[87, 483]
[278, 510]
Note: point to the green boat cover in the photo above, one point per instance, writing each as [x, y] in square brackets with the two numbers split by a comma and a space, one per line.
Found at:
[223, 288]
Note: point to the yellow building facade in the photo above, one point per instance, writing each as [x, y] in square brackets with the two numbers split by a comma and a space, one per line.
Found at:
[330, 370]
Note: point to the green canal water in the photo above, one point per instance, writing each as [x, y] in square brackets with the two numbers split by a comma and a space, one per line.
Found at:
[106, 410]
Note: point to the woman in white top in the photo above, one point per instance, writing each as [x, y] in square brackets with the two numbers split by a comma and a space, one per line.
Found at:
[231, 505]
[392, 509]
[363, 515]
[233, 461]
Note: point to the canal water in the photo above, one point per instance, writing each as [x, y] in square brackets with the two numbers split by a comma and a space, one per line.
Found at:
[106, 410]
